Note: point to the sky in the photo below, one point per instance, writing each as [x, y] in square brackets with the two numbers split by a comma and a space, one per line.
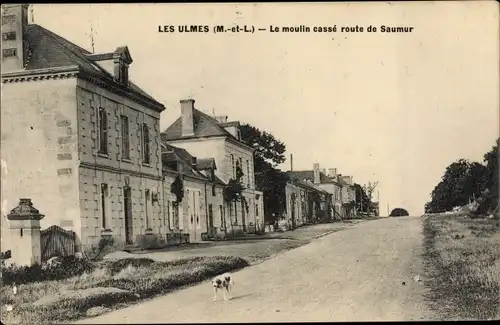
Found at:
[394, 108]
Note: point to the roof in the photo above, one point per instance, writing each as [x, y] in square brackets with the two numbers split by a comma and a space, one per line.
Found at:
[179, 155]
[204, 126]
[207, 163]
[49, 50]
[309, 174]
[343, 183]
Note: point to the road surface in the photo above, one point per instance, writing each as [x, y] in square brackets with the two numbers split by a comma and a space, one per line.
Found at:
[352, 275]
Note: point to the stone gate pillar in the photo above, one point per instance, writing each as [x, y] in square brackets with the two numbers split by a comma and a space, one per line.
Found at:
[24, 224]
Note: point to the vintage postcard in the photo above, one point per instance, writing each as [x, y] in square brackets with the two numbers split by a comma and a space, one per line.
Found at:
[250, 162]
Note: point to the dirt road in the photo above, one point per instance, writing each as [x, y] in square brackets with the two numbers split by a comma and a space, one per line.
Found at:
[352, 275]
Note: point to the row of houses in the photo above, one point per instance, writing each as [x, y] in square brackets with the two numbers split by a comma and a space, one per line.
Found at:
[84, 143]
[314, 196]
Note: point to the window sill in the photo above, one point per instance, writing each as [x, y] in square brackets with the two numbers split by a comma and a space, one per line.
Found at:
[127, 160]
[103, 155]
[147, 164]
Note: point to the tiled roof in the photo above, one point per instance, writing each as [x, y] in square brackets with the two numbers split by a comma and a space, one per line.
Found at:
[49, 50]
[342, 182]
[309, 174]
[204, 126]
[207, 163]
[179, 155]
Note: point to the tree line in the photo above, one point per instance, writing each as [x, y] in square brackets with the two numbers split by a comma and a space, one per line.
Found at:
[465, 182]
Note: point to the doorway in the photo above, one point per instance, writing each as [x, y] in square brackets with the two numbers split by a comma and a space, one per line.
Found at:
[127, 208]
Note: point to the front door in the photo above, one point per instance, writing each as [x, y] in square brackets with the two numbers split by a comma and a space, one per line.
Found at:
[127, 208]
[194, 216]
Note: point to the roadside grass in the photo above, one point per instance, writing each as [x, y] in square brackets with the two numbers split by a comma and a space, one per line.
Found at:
[462, 259]
[111, 285]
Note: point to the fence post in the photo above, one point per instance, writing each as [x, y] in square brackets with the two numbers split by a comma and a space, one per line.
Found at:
[25, 233]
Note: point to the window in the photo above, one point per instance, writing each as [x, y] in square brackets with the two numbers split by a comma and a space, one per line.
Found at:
[256, 209]
[213, 190]
[9, 36]
[104, 198]
[146, 205]
[124, 74]
[9, 53]
[175, 217]
[232, 164]
[125, 137]
[146, 154]
[222, 220]
[248, 173]
[9, 20]
[103, 130]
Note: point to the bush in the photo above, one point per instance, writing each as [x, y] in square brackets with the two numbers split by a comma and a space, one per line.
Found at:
[57, 268]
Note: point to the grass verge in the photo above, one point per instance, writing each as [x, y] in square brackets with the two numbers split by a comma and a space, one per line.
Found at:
[462, 260]
[111, 285]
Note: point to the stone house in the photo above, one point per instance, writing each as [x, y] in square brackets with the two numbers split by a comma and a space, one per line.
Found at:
[200, 214]
[305, 201]
[203, 135]
[79, 138]
[348, 195]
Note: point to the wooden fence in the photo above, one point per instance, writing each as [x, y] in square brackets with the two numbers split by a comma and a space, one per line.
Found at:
[56, 241]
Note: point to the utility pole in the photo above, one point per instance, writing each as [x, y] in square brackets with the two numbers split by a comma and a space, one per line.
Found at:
[387, 209]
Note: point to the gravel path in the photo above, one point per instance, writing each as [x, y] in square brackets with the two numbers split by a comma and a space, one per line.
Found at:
[352, 275]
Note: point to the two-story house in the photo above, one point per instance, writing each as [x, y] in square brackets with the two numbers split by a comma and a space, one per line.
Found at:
[206, 136]
[317, 201]
[348, 195]
[78, 137]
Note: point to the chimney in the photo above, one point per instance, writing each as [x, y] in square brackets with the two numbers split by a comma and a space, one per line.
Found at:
[187, 108]
[332, 172]
[221, 119]
[316, 174]
[15, 50]
[291, 162]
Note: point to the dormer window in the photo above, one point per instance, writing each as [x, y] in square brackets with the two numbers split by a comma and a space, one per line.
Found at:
[122, 60]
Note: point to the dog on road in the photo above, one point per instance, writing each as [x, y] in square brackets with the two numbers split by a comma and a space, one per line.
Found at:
[223, 282]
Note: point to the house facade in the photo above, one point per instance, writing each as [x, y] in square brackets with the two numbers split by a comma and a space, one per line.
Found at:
[198, 215]
[305, 201]
[92, 132]
[348, 196]
[202, 135]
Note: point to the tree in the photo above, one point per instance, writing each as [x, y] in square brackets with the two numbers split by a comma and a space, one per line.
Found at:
[232, 192]
[488, 202]
[266, 146]
[399, 212]
[269, 152]
[362, 199]
[369, 188]
[462, 183]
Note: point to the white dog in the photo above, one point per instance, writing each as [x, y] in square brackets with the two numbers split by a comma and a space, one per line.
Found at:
[223, 282]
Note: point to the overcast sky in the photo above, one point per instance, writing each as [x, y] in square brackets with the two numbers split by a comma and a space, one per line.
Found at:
[397, 108]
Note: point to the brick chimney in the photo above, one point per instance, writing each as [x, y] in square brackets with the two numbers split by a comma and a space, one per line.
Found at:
[15, 50]
[187, 109]
[332, 172]
[316, 174]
